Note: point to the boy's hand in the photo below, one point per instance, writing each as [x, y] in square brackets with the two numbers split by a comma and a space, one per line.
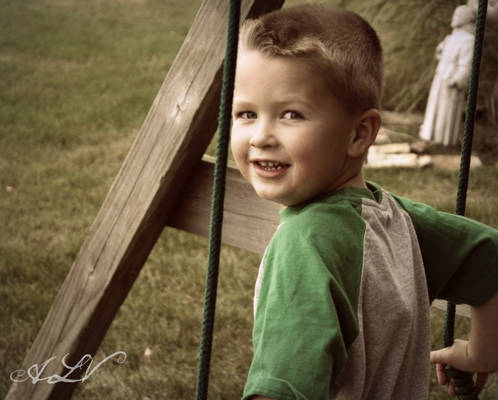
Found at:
[477, 355]
[458, 357]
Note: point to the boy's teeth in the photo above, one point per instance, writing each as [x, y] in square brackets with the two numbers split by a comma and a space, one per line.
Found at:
[270, 165]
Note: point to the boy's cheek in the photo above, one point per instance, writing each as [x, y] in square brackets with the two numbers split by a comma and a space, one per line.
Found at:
[238, 146]
[242, 165]
[238, 155]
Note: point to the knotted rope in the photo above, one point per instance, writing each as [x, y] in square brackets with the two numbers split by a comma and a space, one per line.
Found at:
[462, 381]
[218, 196]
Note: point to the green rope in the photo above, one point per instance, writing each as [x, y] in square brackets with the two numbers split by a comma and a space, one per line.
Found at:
[462, 381]
[224, 119]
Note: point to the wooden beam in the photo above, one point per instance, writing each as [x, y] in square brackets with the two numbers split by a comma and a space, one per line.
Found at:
[170, 143]
[248, 221]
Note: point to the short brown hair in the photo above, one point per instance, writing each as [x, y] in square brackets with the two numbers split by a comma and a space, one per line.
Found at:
[341, 43]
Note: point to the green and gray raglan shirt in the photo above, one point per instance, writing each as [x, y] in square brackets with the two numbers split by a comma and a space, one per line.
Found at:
[343, 293]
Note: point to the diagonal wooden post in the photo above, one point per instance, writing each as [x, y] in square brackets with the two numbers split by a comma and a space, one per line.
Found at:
[170, 143]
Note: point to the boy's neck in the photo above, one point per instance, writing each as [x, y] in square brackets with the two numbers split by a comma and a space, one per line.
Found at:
[356, 180]
[353, 177]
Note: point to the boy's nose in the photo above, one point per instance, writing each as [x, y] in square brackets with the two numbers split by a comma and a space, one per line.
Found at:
[263, 137]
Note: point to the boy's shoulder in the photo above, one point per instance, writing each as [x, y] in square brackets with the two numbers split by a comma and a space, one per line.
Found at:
[329, 212]
[350, 196]
[320, 214]
[330, 222]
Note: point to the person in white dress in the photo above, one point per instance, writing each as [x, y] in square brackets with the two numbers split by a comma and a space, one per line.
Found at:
[443, 121]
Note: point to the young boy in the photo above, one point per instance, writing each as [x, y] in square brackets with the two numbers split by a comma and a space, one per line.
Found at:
[343, 292]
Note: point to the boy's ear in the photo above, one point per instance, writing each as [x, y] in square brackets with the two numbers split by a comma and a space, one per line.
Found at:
[365, 133]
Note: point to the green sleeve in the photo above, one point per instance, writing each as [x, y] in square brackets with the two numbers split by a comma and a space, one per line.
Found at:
[306, 314]
[460, 255]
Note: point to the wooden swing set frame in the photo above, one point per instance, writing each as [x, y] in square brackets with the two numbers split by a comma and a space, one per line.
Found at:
[164, 180]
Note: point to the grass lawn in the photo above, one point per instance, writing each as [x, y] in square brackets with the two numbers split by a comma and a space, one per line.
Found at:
[77, 81]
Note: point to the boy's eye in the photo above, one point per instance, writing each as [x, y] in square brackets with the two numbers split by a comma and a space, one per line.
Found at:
[246, 115]
[292, 115]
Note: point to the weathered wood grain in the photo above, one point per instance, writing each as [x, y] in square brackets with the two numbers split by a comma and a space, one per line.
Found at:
[248, 221]
[170, 143]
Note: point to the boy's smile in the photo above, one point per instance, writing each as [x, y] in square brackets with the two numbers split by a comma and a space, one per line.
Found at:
[290, 135]
[269, 169]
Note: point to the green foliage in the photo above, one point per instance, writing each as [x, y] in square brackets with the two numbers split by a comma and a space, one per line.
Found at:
[77, 81]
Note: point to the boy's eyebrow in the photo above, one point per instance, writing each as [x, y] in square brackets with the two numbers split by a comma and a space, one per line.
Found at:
[246, 103]
[294, 101]
[241, 104]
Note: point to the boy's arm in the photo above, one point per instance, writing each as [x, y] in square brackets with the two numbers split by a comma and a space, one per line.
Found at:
[480, 352]
[306, 314]
[460, 264]
[459, 254]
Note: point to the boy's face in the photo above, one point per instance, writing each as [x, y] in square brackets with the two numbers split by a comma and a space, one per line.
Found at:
[290, 135]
